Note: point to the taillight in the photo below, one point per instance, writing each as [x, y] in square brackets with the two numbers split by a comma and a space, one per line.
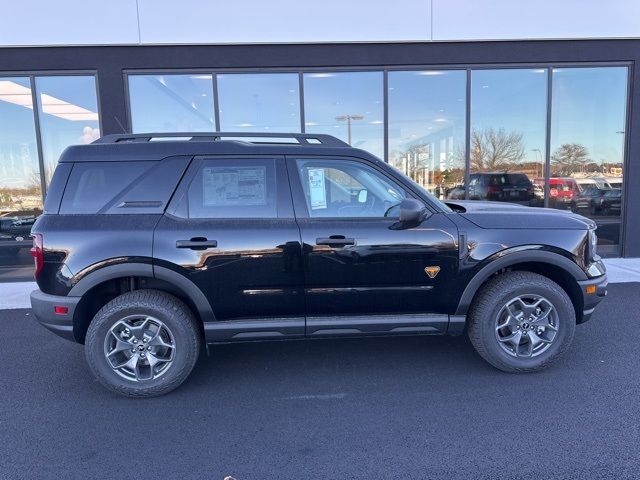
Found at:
[492, 189]
[37, 253]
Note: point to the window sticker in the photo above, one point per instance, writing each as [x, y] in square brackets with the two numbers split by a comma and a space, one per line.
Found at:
[317, 191]
[234, 186]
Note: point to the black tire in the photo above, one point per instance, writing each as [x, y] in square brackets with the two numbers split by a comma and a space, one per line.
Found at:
[167, 309]
[490, 300]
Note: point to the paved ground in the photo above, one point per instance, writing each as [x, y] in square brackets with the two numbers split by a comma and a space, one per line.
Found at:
[374, 409]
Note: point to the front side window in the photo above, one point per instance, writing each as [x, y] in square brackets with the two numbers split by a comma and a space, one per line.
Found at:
[347, 189]
[234, 189]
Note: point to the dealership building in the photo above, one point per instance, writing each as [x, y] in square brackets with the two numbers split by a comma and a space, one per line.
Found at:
[471, 98]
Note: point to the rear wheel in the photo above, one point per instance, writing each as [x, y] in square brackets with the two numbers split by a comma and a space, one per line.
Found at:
[143, 343]
[521, 322]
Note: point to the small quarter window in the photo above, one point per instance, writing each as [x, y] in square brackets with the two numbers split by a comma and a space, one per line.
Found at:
[92, 185]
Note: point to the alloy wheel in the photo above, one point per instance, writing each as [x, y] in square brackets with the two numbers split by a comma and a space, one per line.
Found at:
[526, 326]
[139, 348]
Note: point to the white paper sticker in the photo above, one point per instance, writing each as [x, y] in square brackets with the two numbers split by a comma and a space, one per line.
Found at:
[317, 190]
[234, 186]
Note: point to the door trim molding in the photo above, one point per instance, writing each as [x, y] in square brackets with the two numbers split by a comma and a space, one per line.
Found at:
[254, 329]
[361, 325]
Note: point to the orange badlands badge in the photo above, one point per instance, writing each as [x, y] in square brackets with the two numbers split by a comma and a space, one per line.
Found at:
[432, 271]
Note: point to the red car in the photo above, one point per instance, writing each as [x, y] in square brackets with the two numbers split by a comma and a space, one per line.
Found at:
[562, 191]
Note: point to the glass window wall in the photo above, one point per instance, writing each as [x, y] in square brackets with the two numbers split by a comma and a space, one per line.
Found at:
[588, 118]
[508, 132]
[427, 128]
[68, 114]
[259, 102]
[347, 105]
[171, 103]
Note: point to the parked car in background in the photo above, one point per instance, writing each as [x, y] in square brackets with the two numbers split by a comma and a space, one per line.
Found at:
[611, 202]
[584, 182]
[501, 187]
[562, 191]
[15, 233]
[456, 193]
[614, 182]
[589, 200]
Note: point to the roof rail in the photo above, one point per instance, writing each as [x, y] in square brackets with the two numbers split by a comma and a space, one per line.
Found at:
[251, 137]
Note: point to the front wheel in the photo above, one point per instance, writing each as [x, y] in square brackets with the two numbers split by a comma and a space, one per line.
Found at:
[143, 343]
[521, 322]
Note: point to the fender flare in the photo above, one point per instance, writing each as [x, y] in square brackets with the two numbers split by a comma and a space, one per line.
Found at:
[110, 272]
[507, 259]
[183, 284]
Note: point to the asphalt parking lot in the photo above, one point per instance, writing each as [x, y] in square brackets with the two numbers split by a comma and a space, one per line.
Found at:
[406, 408]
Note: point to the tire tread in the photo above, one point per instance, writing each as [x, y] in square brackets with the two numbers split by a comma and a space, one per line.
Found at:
[484, 303]
[151, 299]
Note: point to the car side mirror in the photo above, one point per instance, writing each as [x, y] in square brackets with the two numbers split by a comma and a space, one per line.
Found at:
[412, 212]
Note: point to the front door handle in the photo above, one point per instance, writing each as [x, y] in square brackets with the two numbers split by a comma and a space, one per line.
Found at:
[335, 241]
[197, 243]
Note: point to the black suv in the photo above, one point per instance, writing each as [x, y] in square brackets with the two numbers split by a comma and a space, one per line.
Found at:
[152, 245]
[499, 187]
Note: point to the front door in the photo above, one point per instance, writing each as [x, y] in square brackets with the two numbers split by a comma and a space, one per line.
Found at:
[230, 229]
[357, 259]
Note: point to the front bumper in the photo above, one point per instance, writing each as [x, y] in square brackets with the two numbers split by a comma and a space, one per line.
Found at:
[43, 306]
[593, 291]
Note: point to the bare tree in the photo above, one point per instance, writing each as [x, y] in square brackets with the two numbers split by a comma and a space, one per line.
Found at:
[495, 149]
[569, 158]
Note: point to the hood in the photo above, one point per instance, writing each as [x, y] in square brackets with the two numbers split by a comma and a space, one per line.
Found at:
[511, 215]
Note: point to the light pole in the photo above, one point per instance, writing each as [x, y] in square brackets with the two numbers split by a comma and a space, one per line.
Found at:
[349, 119]
[538, 152]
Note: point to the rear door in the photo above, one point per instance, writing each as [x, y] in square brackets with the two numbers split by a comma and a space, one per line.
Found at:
[357, 260]
[230, 229]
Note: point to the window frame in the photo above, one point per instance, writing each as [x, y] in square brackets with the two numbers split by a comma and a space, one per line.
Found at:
[178, 206]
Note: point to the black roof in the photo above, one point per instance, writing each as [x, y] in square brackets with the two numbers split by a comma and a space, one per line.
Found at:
[155, 146]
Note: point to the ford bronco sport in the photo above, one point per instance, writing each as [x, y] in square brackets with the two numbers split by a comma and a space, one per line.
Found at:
[152, 245]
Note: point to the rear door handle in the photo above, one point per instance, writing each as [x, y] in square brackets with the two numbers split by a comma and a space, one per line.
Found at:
[197, 243]
[335, 241]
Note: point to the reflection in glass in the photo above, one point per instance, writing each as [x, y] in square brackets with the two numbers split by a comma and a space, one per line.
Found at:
[348, 106]
[587, 143]
[427, 128]
[259, 102]
[171, 103]
[508, 125]
[68, 111]
[20, 195]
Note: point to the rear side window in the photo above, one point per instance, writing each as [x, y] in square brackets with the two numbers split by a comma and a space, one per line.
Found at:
[234, 189]
[93, 185]
[517, 179]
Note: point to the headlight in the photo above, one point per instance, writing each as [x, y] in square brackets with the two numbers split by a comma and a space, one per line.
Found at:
[593, 244]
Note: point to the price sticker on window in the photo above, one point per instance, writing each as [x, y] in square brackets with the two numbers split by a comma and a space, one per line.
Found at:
[317, 190]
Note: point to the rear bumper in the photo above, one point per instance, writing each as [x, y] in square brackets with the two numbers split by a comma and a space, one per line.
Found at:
[593, 291]
[43, 306]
